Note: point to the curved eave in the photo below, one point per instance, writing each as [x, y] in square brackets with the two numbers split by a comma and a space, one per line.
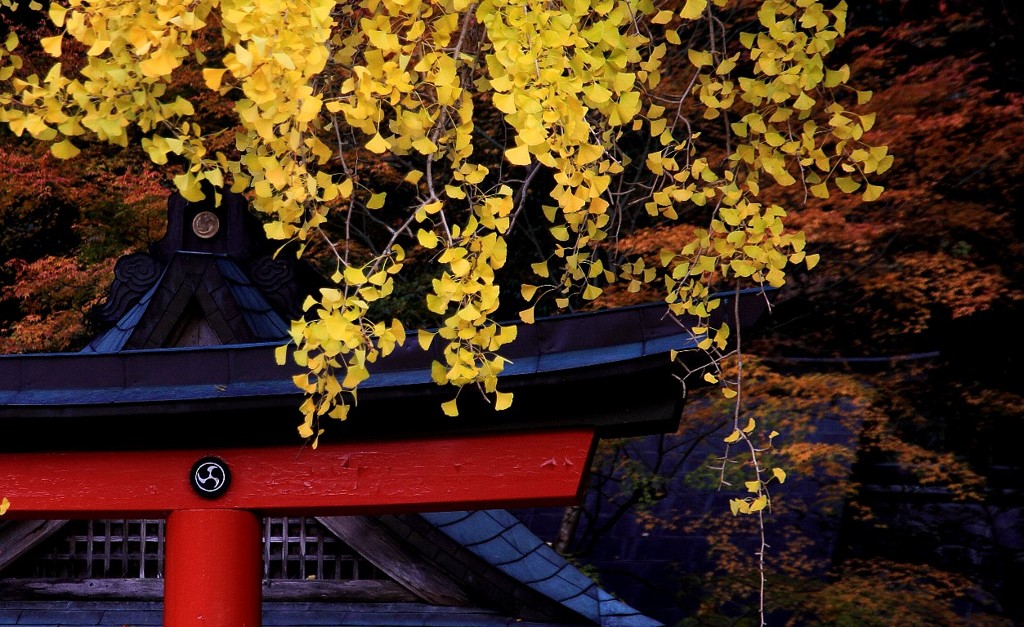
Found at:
[608, 369]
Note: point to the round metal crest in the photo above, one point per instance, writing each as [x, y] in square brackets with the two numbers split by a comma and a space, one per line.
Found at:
[210, 477]
[205, 224]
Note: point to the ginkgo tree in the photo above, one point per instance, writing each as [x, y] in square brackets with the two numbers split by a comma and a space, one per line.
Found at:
[629, 110]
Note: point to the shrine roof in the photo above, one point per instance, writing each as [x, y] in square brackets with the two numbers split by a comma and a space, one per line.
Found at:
[608, 368]
[257, 318]
[503, 541]
[568, 342]
[190, 329]
[187, 359]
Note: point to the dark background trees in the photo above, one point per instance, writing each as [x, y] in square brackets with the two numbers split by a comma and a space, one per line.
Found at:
[892, 371]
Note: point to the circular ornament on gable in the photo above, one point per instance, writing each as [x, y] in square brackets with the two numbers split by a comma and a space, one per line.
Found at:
[210, 477]
[205, 224]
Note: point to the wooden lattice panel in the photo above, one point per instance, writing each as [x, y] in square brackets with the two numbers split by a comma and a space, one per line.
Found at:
[89, 549]
[293, 548]
[300, 548]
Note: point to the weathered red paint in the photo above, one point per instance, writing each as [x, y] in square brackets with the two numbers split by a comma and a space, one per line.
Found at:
[212, 569]
[468, 472]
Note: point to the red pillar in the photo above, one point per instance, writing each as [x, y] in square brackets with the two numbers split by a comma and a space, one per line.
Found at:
[212, 572]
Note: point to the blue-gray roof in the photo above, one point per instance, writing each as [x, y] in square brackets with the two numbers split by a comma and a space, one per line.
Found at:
[501, 540]
[224, 291]
[551, 345]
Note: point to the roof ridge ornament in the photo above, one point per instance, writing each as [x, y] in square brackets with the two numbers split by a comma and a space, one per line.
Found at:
[217, 255]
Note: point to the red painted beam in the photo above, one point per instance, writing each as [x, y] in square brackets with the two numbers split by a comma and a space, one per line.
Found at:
[468, 472]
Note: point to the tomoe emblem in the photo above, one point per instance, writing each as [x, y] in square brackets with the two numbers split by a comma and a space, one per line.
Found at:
[210, 477]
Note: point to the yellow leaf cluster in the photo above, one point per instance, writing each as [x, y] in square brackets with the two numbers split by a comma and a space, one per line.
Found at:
[320, 88]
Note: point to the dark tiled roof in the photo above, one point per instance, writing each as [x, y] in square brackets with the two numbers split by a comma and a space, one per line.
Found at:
[502, 541]
[558, 369]
[237, 309]
[551, 345]
[265, 323]
[113, 339]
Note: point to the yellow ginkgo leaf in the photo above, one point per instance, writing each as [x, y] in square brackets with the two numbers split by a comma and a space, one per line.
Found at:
[502, 400]
[378, 144]
[450, 408]
[520, 155]
[52, 45]
[57, 14]
[662, 17]
[424, 146]
[424, 338]
[213, 77]
[161, 63]
[693, 9]
[340, 412]
[64, 149]
[847, 184]
[427, 239]
[354, 276]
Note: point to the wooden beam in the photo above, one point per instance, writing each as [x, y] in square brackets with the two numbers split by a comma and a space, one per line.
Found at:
[92, 589]
[408, 568]
[464, 472]
[355, 591]
[17, 537]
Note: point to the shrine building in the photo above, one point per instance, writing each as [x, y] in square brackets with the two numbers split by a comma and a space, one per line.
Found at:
[156, 478]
